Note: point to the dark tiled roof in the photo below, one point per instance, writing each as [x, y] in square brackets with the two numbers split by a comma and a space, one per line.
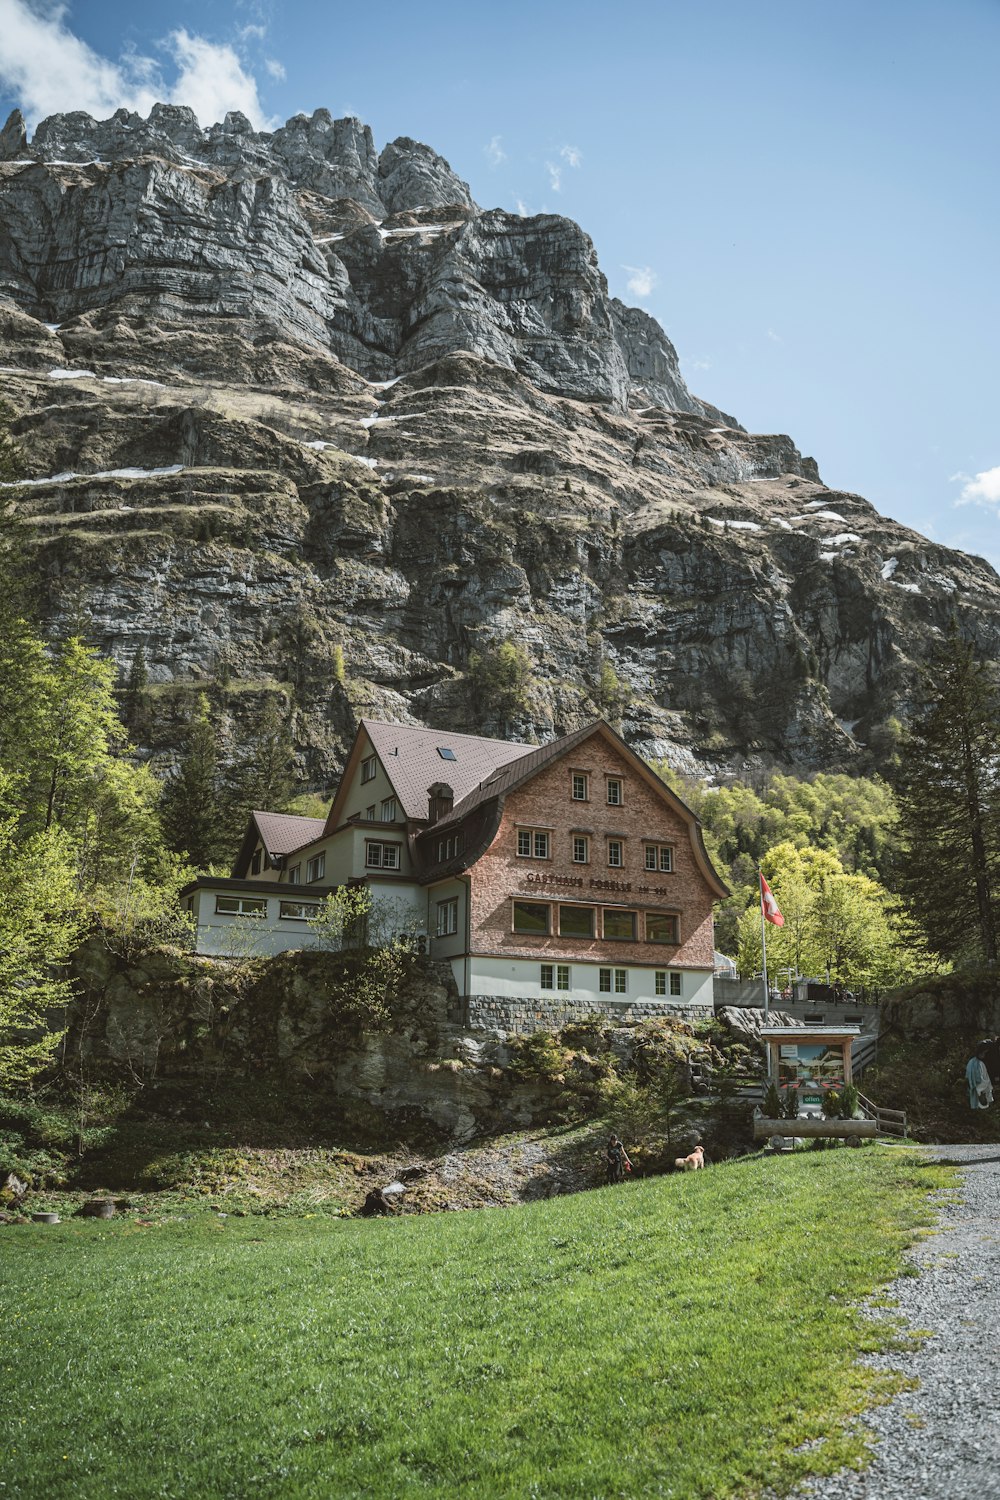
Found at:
[500, 782]
[281, 833]
[409, 757]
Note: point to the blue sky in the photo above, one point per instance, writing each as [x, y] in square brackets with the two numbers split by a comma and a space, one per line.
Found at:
[802, 192]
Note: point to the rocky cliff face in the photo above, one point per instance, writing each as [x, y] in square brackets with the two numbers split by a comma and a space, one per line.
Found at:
[285, 393]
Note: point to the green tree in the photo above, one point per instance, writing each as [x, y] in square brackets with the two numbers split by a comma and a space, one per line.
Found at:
[500, 679]
[40, 926]
[262, 775]
[193, 807]
[948, 786]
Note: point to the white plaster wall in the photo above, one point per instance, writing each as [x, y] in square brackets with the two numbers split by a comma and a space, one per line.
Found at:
[519, 979]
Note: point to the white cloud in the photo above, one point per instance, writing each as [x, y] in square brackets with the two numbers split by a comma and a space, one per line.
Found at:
[522, 208]
[494, 152]
[699, 364]
[555, 177]
[642, 280]
[47, 68]
[276, 69]
[571, 156]
[774, 337]
[981, 489]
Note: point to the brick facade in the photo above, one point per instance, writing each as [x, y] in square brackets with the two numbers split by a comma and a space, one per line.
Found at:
[545, 803]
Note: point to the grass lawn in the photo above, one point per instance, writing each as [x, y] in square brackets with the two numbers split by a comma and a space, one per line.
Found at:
[682, 1336]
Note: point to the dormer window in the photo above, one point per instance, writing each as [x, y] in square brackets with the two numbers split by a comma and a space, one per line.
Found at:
[368, 768]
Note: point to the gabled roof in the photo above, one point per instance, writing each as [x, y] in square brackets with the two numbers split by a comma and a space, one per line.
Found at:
[409, 756]
[506, 777]
[280, 833]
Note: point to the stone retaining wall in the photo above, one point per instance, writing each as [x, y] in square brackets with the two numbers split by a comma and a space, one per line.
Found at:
[500, 1013]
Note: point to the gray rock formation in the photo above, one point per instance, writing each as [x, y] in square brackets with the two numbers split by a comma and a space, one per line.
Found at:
[286, 396]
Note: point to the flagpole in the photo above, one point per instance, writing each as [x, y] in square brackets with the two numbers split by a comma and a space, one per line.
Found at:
[763, 945]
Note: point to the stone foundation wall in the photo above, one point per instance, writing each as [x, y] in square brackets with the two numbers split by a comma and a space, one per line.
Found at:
[500, 1013]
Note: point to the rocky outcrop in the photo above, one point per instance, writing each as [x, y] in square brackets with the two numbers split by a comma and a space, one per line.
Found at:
[287, 399]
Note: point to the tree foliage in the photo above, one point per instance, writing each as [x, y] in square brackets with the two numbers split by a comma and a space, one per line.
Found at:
[500, 680]
[948, 786]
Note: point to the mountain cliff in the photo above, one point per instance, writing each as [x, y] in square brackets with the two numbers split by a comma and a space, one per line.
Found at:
[287, 398]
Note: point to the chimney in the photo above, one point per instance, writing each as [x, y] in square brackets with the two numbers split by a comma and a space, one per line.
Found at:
[440, 801]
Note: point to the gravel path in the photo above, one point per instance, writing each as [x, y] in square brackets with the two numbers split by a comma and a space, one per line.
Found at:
[942, 1441]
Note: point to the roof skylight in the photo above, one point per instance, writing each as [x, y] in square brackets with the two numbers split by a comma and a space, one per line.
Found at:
[445, 753]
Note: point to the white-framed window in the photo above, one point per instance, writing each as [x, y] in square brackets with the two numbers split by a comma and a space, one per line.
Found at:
[615, 794]
[388, 810]
[298, 911]
[240, 906]
[581, 786]
[621, 981]
[581, 849]
[661, 927]
[370, 813]
[612, 981]
[369, 766]
[316, 867]
[381, 856]
[295, 875]
[447, 917]
[533, 843]
[616, 854]
[555, 977]
[660, 981]
[531, 917]
[659, 857]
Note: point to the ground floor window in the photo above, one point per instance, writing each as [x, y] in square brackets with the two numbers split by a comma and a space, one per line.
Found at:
[447, 917]
[612, 981]
[663, 978]
[240, 906]
[555, 977]
[298, 911]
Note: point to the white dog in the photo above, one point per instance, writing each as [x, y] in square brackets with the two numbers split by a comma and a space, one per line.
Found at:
[692, 1163]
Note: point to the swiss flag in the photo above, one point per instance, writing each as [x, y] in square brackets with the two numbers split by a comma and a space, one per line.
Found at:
[769, 906]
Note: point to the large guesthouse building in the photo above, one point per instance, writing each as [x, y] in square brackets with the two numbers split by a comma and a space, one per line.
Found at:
[564, 878]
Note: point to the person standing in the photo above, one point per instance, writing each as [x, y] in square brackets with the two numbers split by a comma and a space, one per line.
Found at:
[978, 1079]
[616, 1160]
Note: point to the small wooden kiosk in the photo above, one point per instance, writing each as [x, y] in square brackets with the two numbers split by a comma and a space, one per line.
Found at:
[812, 1060]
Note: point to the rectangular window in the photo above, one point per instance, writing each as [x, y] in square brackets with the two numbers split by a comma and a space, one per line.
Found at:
[240, 906]
[295, 875]
[298, 911]
[370, 814]
[368, 768]
[389, 810]
[581, 850]
[447, 917]
[255, 863]
[316, 867]
[576, 921]
[531, 916]
[615, 854]
[562, 977]
[619, 924]
[604, 981]
[580, 786]
[548, 979]
[660, 928]
[675, 984]
[523, 843]
[659, 857]
[532, 844]
[621, 981]
[614, 791]
[541, 846]
[381, 856]
[660, 981]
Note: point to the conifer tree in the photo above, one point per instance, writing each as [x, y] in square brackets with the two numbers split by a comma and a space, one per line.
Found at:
[262, 776]
[948, 786]
[193, 810]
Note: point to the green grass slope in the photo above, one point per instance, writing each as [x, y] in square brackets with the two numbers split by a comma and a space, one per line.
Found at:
[676, 1337]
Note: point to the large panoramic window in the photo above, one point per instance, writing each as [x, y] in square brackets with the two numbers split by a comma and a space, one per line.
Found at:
[660, 928]
[576, 921]
[531, 916]
[240, 906]
[298, 911]
[619, 924]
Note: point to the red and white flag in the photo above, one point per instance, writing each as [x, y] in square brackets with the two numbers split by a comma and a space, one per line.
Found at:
[769, 906]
